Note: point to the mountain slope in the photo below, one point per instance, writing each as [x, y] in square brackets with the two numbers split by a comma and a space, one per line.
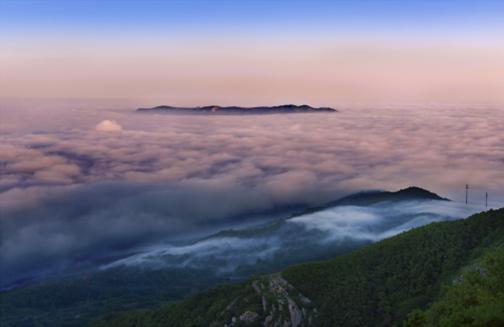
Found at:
[475, 298]
[378, 285]
[171, 272]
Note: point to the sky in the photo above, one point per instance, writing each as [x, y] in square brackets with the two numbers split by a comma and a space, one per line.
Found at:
[254, 52]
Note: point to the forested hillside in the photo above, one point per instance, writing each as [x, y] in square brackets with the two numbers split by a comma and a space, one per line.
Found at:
[381, 284]
[441, 269]
[82, 296]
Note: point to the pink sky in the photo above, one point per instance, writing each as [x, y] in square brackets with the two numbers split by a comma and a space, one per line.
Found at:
[249, 72]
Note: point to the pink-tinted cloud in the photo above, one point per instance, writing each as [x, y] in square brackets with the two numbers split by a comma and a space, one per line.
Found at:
[165, 176]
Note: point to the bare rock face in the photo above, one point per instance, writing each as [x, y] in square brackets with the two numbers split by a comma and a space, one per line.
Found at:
[276, 303]
[249, 316]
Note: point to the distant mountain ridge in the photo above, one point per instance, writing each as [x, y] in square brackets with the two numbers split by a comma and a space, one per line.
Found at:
[237, 110]
[366, 198]
[406, 194]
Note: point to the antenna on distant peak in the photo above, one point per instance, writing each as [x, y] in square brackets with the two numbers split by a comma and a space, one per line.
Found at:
[467, 192]
[486, 199]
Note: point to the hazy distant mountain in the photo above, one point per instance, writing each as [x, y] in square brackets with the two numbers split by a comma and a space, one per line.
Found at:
[236, 110]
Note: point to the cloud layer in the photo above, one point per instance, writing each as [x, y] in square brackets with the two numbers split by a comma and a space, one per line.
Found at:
[70, 190]
[305, 157]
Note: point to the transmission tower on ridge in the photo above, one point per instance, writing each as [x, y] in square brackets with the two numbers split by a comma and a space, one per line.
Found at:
[467, 192]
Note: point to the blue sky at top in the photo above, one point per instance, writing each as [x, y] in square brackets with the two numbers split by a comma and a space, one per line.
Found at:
[275, 18]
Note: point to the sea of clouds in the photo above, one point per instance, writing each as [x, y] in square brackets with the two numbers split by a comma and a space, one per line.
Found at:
[77, 181]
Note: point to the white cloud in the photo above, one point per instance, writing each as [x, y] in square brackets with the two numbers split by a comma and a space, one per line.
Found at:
[108, 126]
[184, 172]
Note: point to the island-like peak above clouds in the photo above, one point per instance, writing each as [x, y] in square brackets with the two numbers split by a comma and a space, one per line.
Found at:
[236, 110]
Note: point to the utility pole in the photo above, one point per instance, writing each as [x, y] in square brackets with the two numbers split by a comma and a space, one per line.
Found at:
[467, 192]
[486, 199]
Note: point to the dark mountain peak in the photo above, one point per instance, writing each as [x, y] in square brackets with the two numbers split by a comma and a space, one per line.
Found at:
[236, 110]
[418, 192]
[370, 197]
[290, 105]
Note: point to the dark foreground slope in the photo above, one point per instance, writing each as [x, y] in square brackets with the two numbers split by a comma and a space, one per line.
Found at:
[381, 284]
[475, 298]
[451, 270]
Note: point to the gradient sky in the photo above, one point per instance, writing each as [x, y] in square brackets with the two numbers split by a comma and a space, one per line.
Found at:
[254, 52]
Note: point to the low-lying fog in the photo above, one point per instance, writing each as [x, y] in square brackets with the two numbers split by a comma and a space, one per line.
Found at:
[81, 182]
[313, 236]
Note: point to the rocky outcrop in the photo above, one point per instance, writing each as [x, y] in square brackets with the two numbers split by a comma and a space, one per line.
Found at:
[279, 303]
